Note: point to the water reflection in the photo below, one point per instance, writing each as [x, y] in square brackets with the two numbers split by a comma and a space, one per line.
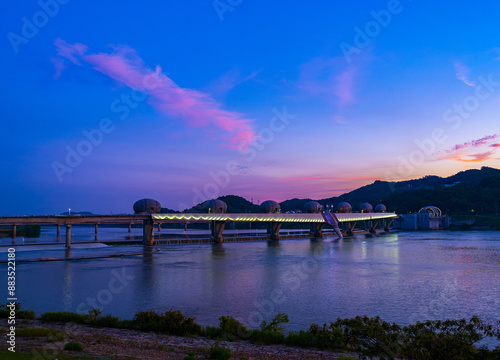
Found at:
[396, 276]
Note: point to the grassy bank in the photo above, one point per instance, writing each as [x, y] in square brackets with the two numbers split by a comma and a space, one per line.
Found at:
[367, 337]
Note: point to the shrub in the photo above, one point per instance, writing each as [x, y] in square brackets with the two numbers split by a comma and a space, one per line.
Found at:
[189, 356]
[232, 328]
[63, 316]
[220, 353]
[276, 324]
[267, 337]
[106, 321]
[20, 314]
[171, 322]
[144, 320]
[212, 332]
[51, 334]
[74, 346]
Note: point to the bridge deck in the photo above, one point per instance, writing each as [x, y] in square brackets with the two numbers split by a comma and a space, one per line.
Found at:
[185, 217]
[305, 218]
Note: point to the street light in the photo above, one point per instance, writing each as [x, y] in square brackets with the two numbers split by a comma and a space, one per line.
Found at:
[69, 212]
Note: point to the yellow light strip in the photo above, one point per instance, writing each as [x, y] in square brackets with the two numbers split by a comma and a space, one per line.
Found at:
[307, 218]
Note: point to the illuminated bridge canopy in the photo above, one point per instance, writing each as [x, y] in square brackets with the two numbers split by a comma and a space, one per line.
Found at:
[304, 218]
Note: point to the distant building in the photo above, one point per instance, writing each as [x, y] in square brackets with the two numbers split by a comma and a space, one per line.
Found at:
[428, 218]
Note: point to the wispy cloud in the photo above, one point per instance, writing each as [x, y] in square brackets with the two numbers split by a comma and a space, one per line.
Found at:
[467, 152]
[228, 81]
[473, 143]
[59, 66]
[198, 109]
[462, 73]
[480, 157]
[331, 78]
[329, 178]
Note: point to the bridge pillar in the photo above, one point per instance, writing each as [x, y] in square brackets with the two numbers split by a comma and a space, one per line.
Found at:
[14, 231]
[317, 229]
[185, 226]
[273, 230]
[68, 236]
[350, 227]
[147, 232]
[387, 225]
[159, 227]
[373, 228]
[130, 227]
[96, 227]
[58, 231]
[217, 229]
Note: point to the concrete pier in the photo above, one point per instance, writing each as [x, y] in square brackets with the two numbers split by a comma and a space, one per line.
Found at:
[58, 231]
[273, 230]
[317, 229]
[217, 228]
[68, 236]
[350, 227]
[147, 232]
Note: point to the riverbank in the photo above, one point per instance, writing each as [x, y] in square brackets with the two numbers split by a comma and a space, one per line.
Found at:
[119, 344]
[152, 335]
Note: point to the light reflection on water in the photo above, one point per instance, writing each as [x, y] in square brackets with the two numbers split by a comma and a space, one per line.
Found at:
[402, 277]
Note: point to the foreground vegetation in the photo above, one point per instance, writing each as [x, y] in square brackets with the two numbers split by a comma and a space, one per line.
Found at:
[364, 336]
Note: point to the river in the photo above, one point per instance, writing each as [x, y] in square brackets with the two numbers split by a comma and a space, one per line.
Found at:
[400, 276]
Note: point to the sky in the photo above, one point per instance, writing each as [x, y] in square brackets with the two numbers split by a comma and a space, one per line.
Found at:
[105, 103]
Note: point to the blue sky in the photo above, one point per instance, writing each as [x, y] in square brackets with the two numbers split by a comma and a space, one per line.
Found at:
[104, 104]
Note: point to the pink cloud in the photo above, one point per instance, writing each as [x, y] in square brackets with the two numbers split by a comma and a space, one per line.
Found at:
[474, 143]
[462, 152]
[473, 157]
[228, 81]
[198, 109]
[329, 178]
[329, 77]
[344, 87]
[59, 66]
[462, 74]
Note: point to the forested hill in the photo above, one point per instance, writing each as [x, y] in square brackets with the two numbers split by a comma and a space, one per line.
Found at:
[470, 191]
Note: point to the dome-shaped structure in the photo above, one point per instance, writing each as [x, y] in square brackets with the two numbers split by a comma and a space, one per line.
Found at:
[366, 207]
[145, 206]
[432, 210]
[270, 206]
[380, 208]
[215, 206]
[312, 207]
[344, 207]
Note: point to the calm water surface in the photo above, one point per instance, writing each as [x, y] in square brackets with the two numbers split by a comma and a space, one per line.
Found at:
[402, 277]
